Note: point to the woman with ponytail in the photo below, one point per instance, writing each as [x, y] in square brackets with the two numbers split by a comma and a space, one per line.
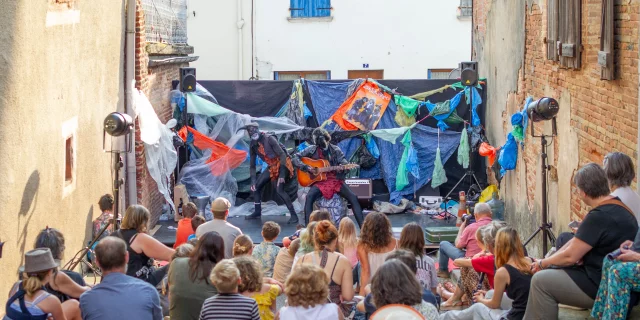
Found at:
[513, 276]
[64, 284]
[335, 265]
[29, 300]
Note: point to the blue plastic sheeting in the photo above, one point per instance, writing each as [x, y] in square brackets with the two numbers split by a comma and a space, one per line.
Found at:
[327, 98]
[425, 142]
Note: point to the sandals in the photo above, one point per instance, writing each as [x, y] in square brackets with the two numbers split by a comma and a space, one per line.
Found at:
[455, 305]
[443, 292]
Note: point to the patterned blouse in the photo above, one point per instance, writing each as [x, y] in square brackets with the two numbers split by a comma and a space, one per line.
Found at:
[266, 254]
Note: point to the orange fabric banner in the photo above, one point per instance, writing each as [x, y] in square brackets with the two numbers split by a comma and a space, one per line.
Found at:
[363, 109]
[231, 158]
[488, 151]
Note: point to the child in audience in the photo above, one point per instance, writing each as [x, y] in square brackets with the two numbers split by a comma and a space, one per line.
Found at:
[228, 303]
[284, 261]
[306, 242]
[185, 228]
[252, 286]
[316, 215]
[412, 240]
[347, 241]
[196, 221]
[242, 246]
[266, 252]
[307, 289]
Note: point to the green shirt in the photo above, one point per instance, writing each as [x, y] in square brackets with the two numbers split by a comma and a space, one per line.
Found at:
[185, 296]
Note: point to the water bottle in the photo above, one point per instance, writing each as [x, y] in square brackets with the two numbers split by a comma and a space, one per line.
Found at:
[497, 207]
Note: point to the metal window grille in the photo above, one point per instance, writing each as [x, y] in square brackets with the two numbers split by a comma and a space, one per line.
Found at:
[165, 21]
[466, 8]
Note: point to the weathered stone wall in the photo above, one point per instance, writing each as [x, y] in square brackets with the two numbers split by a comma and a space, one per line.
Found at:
[596, 116]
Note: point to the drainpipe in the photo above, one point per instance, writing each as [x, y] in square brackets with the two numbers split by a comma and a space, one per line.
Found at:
[129, 86]
[240, 24]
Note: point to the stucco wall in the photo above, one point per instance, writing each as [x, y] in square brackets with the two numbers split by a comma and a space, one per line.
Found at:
[404, 39]
[48, 76]
[596, 116]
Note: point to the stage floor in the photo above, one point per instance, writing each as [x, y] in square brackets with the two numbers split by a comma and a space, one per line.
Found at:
[167, 232]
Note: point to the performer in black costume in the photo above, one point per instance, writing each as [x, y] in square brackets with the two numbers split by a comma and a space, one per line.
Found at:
[322, 149]
[280, 169]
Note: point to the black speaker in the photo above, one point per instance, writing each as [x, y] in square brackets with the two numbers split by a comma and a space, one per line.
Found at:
[469, 73]
[188, 79]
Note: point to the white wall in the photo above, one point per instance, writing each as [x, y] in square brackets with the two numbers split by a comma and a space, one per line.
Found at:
[405, 38]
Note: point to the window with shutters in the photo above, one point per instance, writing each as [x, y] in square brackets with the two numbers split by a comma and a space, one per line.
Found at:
[607, 49]
[564, 33]
[466, 8]
[310, 8]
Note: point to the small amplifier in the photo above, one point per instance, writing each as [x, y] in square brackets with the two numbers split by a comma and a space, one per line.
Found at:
[362, 189]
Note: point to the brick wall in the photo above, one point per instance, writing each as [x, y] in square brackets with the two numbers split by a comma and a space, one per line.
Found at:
[155, 82]
[603, 114]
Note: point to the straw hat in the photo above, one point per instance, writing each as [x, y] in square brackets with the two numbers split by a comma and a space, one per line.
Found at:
[38, 260]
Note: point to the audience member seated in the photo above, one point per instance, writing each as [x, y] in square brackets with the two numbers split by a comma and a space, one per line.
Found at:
[189, 284]
[395, 283]
[306, 242]
[142, 247]
[228, 303]
[63, 284]
[335, 265]
[195, 223]
[284, 261]
[183, 251]
[412, 240]
[348, 242]
[469, 278]
[307, 289]
[220, 209]
[28, 299]
[242, 246]
[253, 286]
[316, 215]
[375, 244]
[267, 251]
[106, 206]
[604, 229]
[513, 277]
[119, 296]
[465, 240]
[620, 276]
[408, 258]
[620, 172]
[189, 211]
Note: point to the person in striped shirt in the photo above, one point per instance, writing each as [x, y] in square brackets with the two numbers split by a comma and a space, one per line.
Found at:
[228, 304]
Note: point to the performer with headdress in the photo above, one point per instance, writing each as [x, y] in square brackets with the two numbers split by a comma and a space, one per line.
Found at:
[280, 169]
[334, 183]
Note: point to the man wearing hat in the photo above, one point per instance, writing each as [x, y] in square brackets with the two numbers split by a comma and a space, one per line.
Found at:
[280, 169]
[220, 209]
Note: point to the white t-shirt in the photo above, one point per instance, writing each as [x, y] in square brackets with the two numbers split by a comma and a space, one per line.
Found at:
[630, 198]
[426, 272]
[327, 311]
[227, 231]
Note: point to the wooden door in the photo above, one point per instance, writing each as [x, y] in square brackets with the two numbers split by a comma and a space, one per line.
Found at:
[373, 74]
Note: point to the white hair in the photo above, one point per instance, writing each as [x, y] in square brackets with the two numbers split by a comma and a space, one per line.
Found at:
[482, 208]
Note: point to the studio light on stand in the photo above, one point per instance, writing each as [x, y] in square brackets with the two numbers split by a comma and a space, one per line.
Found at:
[116, 124]
[544, 109]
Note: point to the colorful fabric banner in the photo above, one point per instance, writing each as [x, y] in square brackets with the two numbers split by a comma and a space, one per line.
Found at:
[363, 109]
[234, 158]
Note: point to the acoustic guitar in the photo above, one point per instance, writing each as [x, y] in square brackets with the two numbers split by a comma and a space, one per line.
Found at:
[307, 178]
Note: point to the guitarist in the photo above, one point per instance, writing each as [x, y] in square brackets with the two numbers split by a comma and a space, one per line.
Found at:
[280, 169]
[322, 149]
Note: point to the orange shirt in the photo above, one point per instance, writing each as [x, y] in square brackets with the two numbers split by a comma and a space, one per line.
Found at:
[183, 232]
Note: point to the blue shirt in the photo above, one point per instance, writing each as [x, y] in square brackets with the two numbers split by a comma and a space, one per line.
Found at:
[120, 297]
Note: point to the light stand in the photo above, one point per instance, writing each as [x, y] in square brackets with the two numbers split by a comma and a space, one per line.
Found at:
[546, 226]
[115, 124]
